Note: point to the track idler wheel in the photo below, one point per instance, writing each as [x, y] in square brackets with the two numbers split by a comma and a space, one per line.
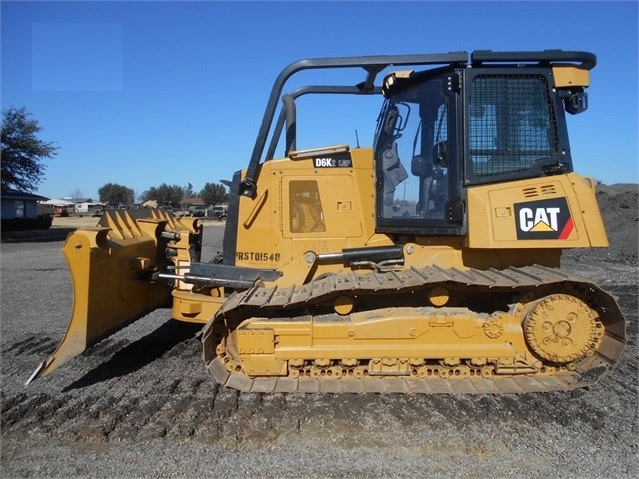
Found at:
[561, 328]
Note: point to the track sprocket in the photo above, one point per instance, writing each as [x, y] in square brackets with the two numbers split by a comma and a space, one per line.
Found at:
[562, 328]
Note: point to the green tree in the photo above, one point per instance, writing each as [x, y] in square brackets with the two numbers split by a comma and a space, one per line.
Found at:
[115, 194]
[188, 191]
[22, 152]
[214, 194]
[165, 195]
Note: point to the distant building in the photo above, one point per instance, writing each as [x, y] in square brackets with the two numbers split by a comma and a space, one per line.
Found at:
[55, 207]
[193, 204]
[89, 206]
[192, 201]
[78, 200]
[19, 204]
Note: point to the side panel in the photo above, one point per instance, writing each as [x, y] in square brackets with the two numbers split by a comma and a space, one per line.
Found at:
[308, 202]
[552, 212]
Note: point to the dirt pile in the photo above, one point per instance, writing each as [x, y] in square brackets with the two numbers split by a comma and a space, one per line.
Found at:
[620, 210]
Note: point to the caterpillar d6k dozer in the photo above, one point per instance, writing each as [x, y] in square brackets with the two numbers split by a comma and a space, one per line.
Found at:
[427, 263]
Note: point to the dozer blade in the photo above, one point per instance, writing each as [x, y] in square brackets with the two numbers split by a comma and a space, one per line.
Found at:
[113, 271]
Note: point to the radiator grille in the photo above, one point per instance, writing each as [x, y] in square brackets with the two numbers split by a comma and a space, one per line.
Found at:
[544, 190]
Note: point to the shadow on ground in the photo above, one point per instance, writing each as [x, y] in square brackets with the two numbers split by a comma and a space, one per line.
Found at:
[36, 236]
[136, 355]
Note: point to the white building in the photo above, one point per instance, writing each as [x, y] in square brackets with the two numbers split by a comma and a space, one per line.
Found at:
[88, 206]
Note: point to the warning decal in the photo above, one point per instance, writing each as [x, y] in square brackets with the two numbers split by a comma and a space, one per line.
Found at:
[543, 219]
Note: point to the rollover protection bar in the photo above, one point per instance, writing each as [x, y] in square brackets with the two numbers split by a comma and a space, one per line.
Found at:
[373, 65]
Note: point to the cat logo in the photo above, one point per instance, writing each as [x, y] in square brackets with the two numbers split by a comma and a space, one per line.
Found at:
[544, 219]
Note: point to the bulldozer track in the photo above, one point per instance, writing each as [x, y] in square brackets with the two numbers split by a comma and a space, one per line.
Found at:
[511, 385]
[521, 282]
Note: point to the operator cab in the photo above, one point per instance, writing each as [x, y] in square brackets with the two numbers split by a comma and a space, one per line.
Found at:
[445, 129]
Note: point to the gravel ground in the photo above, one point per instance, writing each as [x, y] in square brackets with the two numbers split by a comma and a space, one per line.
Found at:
[141, 403]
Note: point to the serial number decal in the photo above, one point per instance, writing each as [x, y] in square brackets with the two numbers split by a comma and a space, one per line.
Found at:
[257, 256]
[339, 160]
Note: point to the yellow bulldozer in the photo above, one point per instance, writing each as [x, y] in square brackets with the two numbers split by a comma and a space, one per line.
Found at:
[427, 263]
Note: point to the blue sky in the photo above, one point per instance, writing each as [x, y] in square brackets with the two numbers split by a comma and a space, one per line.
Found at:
[143, 93]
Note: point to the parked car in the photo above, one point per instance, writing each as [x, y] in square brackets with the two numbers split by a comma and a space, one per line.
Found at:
[219, 213]
[98, 212]
[197, 210]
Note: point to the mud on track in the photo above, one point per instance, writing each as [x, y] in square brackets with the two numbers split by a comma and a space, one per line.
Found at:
[141, 404]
